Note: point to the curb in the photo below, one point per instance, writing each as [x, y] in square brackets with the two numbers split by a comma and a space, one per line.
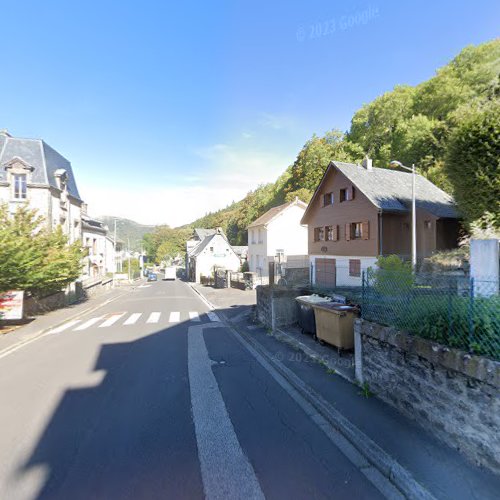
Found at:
[43, 331]
[286, 338]
[399, 477]
[203, 298]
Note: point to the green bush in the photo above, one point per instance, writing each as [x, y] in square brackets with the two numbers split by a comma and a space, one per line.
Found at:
[392, 276]
[452, 320]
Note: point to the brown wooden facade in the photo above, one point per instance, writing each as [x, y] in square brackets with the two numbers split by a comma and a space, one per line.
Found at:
[354, 226]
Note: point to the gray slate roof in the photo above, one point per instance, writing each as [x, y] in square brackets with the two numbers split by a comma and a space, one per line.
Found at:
[240, 250]
[390, 190]
[201, 246]
[44, 160]
[202, 233]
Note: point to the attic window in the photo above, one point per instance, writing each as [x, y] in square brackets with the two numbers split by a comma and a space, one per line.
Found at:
[327, 199]
[346, 194]
[211, 249]
[428, 224]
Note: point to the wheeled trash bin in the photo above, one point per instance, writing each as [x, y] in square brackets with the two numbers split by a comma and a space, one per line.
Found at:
[335, 324]
[305, 311]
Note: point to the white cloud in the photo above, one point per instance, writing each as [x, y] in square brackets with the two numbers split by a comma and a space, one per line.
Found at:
[225, 173]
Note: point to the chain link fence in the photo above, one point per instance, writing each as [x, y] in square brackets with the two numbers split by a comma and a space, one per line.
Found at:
[456, 311]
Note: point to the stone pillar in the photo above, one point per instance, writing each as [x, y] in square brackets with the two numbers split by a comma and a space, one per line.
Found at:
[484, 266]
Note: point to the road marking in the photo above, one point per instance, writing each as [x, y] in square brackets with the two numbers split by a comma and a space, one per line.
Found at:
[132, 318]
[225, 469]
[88, 323]
[143, 286]
[213, 316]
[65, 326]
[154, 317]
[175, 317]
[194, 316]
[111, 320]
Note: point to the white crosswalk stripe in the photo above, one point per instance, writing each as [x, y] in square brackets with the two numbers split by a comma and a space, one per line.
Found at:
[175, 317]
[194, 316]
[154, 317]
[87, 323]
[111, 320]
[213, 316]
[132, 318]
[65, 326]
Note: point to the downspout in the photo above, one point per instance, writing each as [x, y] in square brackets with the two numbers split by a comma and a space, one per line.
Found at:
[380, 233]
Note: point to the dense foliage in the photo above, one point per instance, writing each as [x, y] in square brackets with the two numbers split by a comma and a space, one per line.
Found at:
[34, 258]
[165, 243]
[428, 125]
[473, 165]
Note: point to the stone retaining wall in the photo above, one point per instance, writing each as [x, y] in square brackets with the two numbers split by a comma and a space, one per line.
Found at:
[75, 292]
[276, 306]
[451, 393]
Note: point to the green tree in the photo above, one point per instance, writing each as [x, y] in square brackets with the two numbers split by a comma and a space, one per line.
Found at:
[473, 164]
[33, 257]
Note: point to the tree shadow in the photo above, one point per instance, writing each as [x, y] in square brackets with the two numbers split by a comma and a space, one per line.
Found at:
[128, 436]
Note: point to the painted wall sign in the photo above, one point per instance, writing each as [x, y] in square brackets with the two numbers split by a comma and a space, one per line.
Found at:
[11, 304]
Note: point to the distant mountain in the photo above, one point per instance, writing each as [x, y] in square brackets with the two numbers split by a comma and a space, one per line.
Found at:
[127, 229]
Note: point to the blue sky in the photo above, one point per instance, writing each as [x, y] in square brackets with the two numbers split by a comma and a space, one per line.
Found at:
[168, 110]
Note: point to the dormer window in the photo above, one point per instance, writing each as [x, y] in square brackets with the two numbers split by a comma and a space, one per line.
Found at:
[19, 186]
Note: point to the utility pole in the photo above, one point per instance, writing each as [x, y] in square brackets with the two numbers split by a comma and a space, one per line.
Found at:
[128, 253]
[115, 262]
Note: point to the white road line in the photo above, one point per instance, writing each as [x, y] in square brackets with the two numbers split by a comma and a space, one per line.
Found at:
[213, 316]
[194, 316]
[111, 320]
[132, 318]
[87, 323]
[225, 469]
[65, 326]
[154, 317]
[175, 317]
[143, 286]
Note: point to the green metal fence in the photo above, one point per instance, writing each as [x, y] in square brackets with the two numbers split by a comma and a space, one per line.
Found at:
[453, 310]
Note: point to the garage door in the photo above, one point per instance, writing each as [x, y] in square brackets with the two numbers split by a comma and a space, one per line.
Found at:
[325, 273]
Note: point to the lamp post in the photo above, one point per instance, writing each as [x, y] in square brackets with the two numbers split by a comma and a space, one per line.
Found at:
[395, 163]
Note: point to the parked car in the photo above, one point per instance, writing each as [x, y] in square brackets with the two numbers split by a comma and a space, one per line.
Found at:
[152, 277]
[170, 273]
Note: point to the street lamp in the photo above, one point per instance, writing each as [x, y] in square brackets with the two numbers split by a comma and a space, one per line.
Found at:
[395, 163]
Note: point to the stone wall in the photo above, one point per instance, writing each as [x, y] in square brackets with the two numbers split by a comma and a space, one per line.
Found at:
[276, 305]
[451, 393]
[75, 293]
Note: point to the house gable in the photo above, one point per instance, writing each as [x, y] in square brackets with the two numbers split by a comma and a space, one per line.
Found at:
[341, 219]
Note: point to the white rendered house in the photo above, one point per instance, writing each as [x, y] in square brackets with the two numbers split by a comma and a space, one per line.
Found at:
[277, 233]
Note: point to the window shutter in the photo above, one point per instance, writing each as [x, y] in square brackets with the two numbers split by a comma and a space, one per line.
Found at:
[335, 232]
[347, 232]
[353, 190]
[365, 230]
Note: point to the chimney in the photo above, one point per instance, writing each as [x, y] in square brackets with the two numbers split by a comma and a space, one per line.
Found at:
[367, 163]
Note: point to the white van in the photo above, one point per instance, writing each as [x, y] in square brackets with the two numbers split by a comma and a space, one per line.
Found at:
[170, 273]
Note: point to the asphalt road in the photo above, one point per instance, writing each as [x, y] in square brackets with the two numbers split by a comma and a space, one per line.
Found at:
[151, 397]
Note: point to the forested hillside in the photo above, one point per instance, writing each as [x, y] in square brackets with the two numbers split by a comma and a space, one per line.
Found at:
[449, 126]
[128, 231]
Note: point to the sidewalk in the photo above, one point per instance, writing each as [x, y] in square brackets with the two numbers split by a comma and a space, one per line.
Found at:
[441, 470]
[46, 322]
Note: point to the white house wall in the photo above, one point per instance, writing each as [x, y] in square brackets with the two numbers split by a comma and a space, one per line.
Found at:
[282, 233]
[285, 232]
[342, 268]
[218, 253]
